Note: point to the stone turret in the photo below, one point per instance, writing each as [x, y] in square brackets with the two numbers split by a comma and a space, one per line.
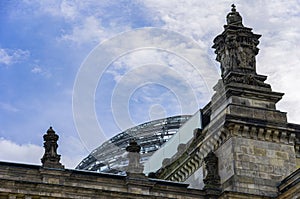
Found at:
[256, 147]
[51, 158]
[247, 146]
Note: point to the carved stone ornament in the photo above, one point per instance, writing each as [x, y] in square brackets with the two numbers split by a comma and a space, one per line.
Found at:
[236, 47]
[249, 79]
[134, 165]
[234, 18]
[51, 158]
[212, 179]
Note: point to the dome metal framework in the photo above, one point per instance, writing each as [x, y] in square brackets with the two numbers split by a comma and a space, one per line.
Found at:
[111, 156]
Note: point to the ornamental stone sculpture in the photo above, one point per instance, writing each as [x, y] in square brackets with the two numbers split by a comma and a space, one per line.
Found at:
[51, 158]
[236, 47]
[212, 179]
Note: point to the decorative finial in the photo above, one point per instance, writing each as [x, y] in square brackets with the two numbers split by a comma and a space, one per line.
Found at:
[134, 165]
[51, 158]
[234, 18]
[133, 147]
[233, 8]
[50, 130]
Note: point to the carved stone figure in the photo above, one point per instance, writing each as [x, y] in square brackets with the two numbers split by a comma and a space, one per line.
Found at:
[212, 179]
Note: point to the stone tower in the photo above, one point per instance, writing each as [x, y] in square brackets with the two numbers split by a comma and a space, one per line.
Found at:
[245, 144]
[259, 146]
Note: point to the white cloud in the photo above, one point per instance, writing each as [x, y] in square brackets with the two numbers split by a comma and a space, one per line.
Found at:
[66, 9]
[4, 57]
[71, 154]
[83, 18]
[25, 153]
[36, 69]
[196, 19]
[279, 57]
[69, 9]
[41, 71]
[152, 84]
[72, 151]
[89, 31]
[275, 20]
[10, 56]
[172, 66]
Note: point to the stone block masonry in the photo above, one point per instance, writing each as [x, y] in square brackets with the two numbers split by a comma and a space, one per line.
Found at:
[254, 166]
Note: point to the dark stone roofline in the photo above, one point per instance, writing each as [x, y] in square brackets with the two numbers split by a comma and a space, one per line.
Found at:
[37, 167]
[91, 173]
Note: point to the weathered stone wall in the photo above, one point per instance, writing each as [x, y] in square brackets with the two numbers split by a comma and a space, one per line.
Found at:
[226, 162]
[237, 195]
[259, 166]
[32, 182]
[298, 162]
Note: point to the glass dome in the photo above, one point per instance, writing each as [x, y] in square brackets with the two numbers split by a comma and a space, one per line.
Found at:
[111, 156]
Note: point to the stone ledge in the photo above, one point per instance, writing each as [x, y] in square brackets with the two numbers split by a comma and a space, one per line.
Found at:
[259, 133]
[213, 141]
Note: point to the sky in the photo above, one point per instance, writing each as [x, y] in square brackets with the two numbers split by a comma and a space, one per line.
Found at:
[94, 68]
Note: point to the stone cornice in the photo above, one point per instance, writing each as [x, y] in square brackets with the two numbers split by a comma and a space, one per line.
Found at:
[183, 165]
